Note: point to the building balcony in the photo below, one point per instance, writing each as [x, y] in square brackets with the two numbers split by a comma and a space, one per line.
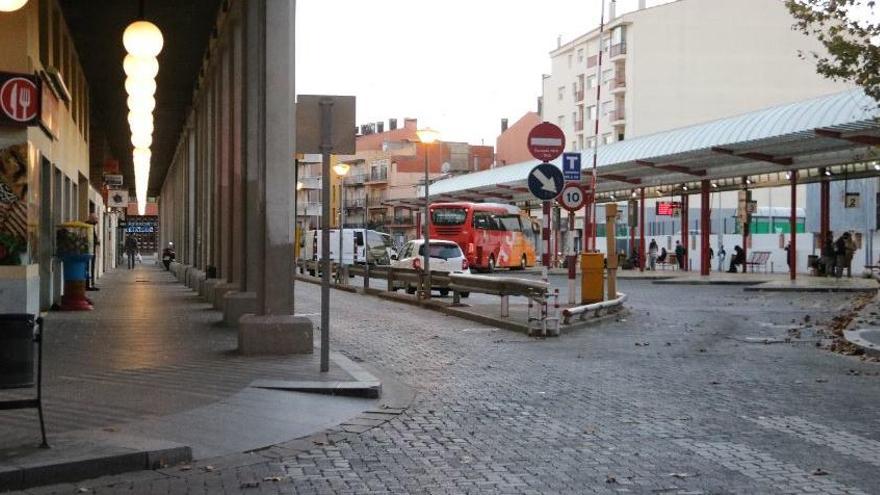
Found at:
[310, 182]
[618, 84]
[579, 95]
[378, 176]
[403, 221]
[377, 202]
[309, 209]
[618, 115]
[618, 50]
[355, 179]
[354, 203]
[378, 220]
[578, 125]
[592, 61]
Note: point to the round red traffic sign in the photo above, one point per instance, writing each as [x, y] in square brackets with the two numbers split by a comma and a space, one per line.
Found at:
[546, 141]
[572, 197]
[19, 99]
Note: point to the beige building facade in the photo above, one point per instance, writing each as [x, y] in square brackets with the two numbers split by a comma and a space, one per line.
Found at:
[679, 64]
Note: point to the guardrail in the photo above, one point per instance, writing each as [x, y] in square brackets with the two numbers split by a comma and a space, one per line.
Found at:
[596, 308]
[541, 319]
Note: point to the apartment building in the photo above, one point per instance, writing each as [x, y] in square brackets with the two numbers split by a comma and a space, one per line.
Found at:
[385, 172]
[679, 64]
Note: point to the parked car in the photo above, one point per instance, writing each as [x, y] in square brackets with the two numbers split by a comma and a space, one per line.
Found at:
[446, 256]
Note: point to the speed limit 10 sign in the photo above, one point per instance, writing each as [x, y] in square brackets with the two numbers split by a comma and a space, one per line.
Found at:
[572, 197]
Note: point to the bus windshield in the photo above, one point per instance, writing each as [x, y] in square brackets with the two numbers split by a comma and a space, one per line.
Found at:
[448, 216]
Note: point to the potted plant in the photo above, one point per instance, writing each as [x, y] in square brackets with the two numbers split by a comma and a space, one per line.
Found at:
[73, 244]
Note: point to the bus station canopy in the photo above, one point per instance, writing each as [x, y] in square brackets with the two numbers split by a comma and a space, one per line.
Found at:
[833, 133]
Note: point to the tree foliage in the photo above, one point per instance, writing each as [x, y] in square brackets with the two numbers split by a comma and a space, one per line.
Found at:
[850, 32]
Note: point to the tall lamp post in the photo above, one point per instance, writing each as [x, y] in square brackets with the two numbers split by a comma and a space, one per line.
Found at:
[341, 170]
[427, 136]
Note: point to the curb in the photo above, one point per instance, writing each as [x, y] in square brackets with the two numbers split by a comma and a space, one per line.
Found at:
[46, 472]
[364, 385]
[758, 288]
[855, 338]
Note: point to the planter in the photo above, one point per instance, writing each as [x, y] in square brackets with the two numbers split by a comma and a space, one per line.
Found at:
[75, 276]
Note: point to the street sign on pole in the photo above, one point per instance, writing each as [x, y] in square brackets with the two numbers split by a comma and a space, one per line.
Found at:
[572, 197]
[546, 141]
[571, 166]
[545, 181]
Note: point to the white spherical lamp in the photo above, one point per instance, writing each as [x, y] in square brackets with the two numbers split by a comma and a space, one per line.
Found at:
[11, 5]
[140, 67]
[144, 104]
[140, 88]
[135, 118]
[141, 140]
[143, 39]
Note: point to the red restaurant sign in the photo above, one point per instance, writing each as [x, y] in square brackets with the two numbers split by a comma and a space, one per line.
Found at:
[20, 99]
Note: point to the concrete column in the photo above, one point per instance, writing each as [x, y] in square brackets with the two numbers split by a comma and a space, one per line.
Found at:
[243, 300]
[271, 123]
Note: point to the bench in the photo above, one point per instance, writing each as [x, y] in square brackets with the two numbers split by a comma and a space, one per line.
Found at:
[670, 262]
[757, 258]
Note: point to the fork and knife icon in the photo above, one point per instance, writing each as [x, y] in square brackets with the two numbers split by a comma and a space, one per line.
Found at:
[20, 98]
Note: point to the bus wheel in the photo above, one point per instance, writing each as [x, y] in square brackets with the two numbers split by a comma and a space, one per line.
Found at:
[522, 264]
[444, 292]
[491, 266]
[410, 289]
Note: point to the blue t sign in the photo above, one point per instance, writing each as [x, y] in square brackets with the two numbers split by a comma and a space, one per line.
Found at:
[571, 167]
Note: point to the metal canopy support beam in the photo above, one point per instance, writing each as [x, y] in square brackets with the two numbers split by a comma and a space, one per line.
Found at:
[705, 227]
[858, 138]
[745, 230]
[751, 155]
[685, 207]
[824, 208]
[641, 229]
[620, 178]
[672, 168]
[792, 219]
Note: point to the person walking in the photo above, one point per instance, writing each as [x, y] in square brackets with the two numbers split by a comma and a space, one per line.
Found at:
[850, 251]
[679, 254]
[788, 254]
[131, 249]
[652, 255]
[722, 255]
[738, 258]
[828, 255]
[839, 255]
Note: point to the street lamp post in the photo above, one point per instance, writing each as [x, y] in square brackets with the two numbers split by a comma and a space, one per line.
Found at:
[341, 170]
[427, 136]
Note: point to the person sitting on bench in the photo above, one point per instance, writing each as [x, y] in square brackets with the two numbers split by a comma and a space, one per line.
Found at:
[738, 258]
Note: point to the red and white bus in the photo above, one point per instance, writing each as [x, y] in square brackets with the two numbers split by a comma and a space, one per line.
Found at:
[491, 235]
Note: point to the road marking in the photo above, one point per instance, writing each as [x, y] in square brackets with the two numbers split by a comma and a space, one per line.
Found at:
[843, 442]
[765, 469]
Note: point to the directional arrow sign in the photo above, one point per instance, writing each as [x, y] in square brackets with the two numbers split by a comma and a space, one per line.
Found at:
[545, 181]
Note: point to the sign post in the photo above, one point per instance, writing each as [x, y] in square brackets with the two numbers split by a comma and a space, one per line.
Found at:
[20, 99]
[546, 142]
[325, 125]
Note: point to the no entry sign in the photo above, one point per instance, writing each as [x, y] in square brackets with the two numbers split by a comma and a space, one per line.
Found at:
[19, 99]
[546, 141]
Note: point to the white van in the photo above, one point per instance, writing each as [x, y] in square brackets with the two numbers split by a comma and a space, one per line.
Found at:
[379, 245]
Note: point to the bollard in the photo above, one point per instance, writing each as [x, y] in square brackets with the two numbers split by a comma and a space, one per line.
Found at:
[505, 306]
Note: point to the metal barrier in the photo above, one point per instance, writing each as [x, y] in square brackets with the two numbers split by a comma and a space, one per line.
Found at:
[545, 321]
[595, 308]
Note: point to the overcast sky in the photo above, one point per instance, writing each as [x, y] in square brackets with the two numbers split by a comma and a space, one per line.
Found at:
[459, 66]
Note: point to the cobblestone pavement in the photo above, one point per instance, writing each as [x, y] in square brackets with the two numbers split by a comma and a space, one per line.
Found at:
[679, 396]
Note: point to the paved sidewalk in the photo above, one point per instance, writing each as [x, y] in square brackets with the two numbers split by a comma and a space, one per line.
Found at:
[152, 365]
